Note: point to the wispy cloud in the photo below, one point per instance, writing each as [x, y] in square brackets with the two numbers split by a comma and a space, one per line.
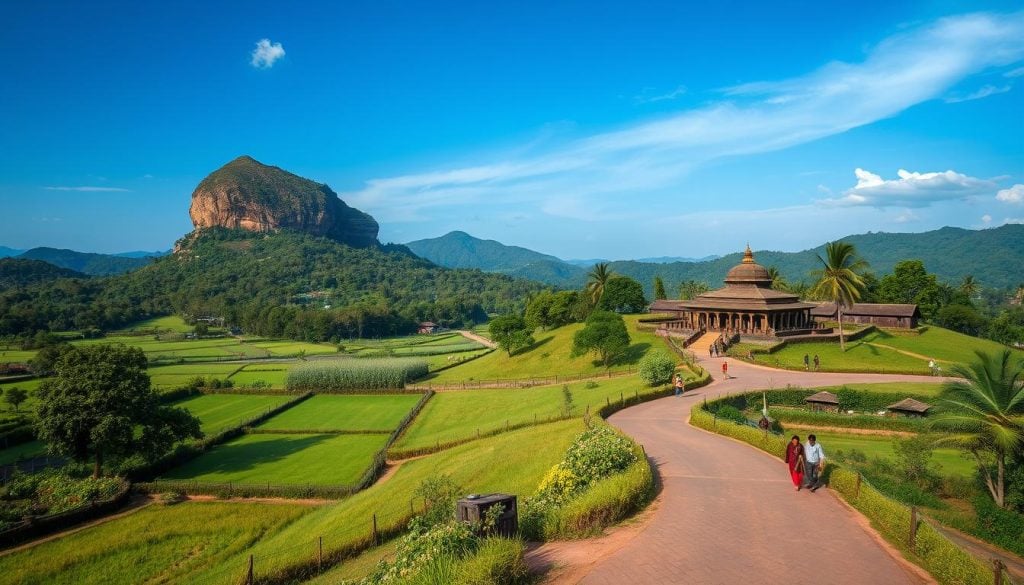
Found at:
[89, 189]
[982, 92]
[610, 170]
[911, 189]
[1014, 194]
[266, 54]
[1014, 72]
[647, 96]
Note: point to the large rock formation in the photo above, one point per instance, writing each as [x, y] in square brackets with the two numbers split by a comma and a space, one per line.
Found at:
[249, 195]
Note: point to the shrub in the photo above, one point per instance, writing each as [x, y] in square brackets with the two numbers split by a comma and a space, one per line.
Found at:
[425, 546]
[657, 368]
[729, 412]
[363, 374]
[498, 561]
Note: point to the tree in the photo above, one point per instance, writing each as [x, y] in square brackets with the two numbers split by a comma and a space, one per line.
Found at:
[969, 286]
[100, 403]
[659, 289]
[598, 277]
[692, 289]
[46, 358]
[910, 283]
[960, 318]
[622, 295]
[839, 280]
[604, 334]
[985, 414]
[511, 333]
[778, 282]
[15, 396]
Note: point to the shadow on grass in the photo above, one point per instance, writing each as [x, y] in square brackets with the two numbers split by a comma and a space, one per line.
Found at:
[533, 346]
[239, 456]
[633, 354]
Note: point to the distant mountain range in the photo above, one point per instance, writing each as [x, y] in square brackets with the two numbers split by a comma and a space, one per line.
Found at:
[87, 263]
[993, 256]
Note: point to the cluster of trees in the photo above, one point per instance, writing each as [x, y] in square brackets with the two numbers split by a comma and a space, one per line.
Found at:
[242, 277]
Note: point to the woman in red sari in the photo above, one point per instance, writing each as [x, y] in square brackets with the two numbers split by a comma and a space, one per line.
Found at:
[795, 460]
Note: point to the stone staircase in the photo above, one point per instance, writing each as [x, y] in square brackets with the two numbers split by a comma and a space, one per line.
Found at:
[703, 343]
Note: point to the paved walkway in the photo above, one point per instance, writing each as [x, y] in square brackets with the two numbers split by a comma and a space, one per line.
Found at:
[728, 512]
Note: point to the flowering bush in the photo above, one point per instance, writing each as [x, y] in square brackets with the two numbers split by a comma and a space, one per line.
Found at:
[598, 452]
[657, 368]
[421, 546]
[559, 484]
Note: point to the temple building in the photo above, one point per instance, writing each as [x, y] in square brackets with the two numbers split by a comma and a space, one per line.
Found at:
[746, 305]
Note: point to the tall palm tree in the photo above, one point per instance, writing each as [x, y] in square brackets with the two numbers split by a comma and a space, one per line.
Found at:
[778, 282]
[969, 286]
[599, 276]
[839, 280]
[986, 413]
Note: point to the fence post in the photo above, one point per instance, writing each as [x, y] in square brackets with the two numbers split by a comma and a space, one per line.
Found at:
[607, 401]
[248, 572]
[320, 555]
[375, 529]
[856, 491]
[997, 571]
[913, 528]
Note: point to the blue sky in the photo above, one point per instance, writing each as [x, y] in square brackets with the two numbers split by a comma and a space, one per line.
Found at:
[587, 129]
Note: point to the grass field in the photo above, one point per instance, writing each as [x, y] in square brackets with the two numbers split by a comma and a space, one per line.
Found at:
[219, 412]
[13, 354]
[158, 544]
[285, 348]
[172, 323]
[456, 415]
[511, 463]
[274, 374]
[22, 451]
[550, 356]
[379, 412]
[882, 352]
[282, 459]
[953, 461]
[166, 377]
[434, 362]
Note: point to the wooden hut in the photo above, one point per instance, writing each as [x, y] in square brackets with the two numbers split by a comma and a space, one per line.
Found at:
[428, 327]
[823, 401]
[908, 407]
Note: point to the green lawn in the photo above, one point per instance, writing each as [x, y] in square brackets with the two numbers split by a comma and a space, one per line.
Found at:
[22, 451]
[275, 374]
[219, 412]
[172, 323]
[158, 544]
[285, 348]
[379, 412]
[952, 461]
[15, 355]
[550, 356]
[458, 414]
[511, 463]
[166, 377]
[881, 352]
[435, 362]
[282, 459]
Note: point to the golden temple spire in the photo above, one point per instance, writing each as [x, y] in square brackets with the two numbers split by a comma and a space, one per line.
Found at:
[748, 256]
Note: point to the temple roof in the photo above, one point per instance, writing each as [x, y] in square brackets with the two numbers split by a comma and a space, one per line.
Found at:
[747, 287]
[868, 310]
[749, 272]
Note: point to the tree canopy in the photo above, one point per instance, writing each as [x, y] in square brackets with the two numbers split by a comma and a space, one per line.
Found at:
[623, 295]
[839, 279]
[604, 334]
[101, 404]
[511, 333]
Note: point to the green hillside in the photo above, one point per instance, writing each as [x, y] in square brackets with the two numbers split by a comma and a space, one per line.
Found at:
[16, 272]
[461, 250]
[86, 262]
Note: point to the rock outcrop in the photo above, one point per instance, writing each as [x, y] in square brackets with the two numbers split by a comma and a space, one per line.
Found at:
[249, 195]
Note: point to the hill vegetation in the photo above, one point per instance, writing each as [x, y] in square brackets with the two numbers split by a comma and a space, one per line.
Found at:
[16, 272]
[86, 262]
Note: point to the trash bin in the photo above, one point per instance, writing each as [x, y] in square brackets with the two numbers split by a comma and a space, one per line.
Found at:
[473, 509]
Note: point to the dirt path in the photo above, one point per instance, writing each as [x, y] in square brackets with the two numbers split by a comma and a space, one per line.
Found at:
[727, 512]
[477, 338]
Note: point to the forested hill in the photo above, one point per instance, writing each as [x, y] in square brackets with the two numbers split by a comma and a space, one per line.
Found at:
[992, 256]
[461, 250]
[302, 285]
[18, 272]
[86, 262]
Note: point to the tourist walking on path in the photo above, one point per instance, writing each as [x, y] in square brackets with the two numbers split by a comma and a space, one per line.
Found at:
[807, 362]
[817, 362]
[814, 462]
[725, 368]
[795, 460]
[679, 385]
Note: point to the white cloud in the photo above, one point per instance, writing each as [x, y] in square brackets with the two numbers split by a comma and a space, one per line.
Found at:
[982, 92]
[1015, 220]
[648, 96]
[986, 219]
[266, 53]
[613, 170]
[1014, 72]
[89, 189]
[911, 189]
[1014, 194]
[907, 216]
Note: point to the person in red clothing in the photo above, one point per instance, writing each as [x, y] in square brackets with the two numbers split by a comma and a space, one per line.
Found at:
[795, 460]
[725, 369]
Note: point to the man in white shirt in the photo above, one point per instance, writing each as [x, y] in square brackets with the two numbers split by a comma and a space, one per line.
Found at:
[814, 462]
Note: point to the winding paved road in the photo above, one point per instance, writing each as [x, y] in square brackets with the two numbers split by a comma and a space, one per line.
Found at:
[729, 513]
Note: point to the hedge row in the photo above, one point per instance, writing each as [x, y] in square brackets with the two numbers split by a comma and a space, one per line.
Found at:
[246, 490]
[943, 559]
[855, 421]
[849, 399]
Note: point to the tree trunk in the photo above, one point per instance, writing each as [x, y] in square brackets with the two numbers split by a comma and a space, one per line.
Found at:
[842, 342]
[97, 469]
[1000, 481]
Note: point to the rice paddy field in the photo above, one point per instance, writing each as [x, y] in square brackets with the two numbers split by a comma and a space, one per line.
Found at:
[223, 411]
[157, 544]
[450, 416]
[284, 459]
[550, 354]
[348, 412]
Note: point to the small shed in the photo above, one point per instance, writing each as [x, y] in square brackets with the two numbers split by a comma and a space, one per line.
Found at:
[908, 407]
[823, 401]
[428, 327]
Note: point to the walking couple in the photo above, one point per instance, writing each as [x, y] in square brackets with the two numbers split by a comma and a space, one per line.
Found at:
[806, 462]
